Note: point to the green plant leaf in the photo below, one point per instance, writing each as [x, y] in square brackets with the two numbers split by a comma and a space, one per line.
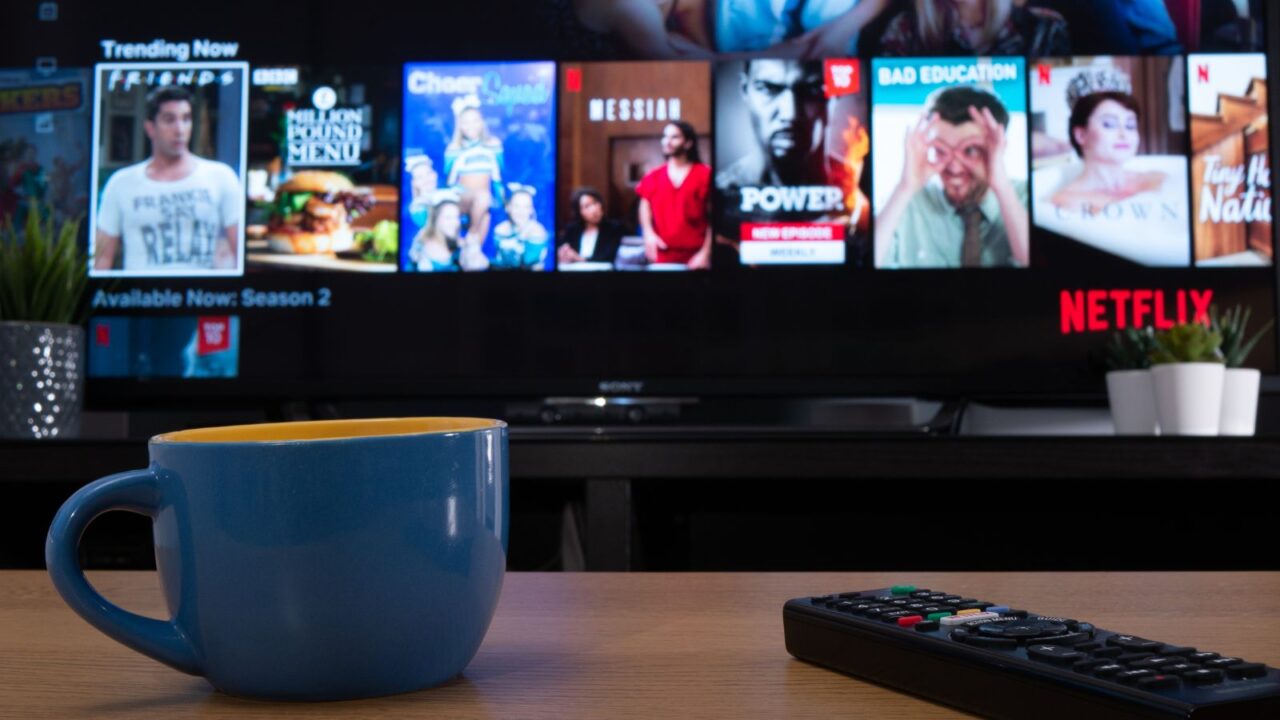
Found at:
[43, 272]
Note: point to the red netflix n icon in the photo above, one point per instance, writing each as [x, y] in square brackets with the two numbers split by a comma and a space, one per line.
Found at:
[1043, 74]
[1202, 73]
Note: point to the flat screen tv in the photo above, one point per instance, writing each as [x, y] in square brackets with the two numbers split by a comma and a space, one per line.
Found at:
[874, 197]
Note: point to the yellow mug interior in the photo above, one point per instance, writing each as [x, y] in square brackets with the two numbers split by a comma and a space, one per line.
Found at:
[327, 430]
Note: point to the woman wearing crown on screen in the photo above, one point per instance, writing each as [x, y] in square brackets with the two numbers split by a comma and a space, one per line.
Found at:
[1103, 130]
[473, 166]
[437, 247]
[521, 239]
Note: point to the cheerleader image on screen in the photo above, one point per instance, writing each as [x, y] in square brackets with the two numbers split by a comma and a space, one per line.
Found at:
[437, 247]
[483, 133]
[473, 165]
[521, 239]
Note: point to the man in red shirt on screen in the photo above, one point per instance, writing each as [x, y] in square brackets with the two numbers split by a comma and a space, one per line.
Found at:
[673, 202]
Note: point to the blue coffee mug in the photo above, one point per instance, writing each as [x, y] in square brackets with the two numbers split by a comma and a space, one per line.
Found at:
[309, 561]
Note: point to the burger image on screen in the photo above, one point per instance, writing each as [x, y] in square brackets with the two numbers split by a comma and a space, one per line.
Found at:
[313, 211]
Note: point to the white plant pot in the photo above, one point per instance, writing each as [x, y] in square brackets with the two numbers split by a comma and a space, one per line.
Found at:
[1239, 401]
[1133, 402]
[1188, 397]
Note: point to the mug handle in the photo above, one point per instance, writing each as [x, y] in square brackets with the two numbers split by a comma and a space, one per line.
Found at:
[135, 491]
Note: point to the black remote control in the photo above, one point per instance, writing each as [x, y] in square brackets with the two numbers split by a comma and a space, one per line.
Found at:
[1005, 663]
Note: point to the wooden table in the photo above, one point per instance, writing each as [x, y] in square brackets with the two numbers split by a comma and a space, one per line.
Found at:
[605, 645]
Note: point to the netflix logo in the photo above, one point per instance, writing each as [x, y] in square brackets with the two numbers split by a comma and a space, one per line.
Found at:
[1100, 310]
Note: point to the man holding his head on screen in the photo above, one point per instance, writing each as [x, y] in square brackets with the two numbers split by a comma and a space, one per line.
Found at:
[175, 212]
[955, 205]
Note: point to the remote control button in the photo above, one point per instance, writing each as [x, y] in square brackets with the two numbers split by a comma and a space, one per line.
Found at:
[1133, 676]
[1055, 654]
[1159, 682]
[922, 593]
[1178, 668]
[993, 643]
[951, 598]
[968, 619]
[1154, 663]
[843, 606]
[1223, 662]
[938, 615]
[1088, 666]
[1022, 628]
[1202, 677]
[1088, 646]
[1108, 652]
[1002, 609]
[909, 620]
[968, 611]
[931, 609]
[926, 626]
[959, 601]
[1085, 628]
[915, 607]
[903, 589]
[1129, 642]
[890, 617]
[1108, 670]
[1068, 639]
[1176, 650]
[1203, 657]
[900, 602]
[974, 605]
[1018, 613]
[1130, 658]
[861, 608]
[1247, 670]
[1060, 620]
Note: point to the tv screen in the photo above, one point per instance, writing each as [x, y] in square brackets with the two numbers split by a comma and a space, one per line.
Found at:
[666, 197]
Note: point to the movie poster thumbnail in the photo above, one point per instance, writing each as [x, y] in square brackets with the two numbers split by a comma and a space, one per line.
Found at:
[478, 182]
[819, 29]
[206, 346]
[791, 149]
[950, 163]
[634, 175]
[1109, 155]
[44, 152]
[1230, 160]
[167, 184]
[324, 175]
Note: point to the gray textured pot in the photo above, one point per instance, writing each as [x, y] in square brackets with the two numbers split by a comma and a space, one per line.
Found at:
[41, 380]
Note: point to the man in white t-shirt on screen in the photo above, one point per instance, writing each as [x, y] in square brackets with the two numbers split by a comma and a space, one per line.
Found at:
[174, 212]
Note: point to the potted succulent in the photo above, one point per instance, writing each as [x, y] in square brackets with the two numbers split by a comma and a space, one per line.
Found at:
[1129, 390]
[1240, 384]
[42, 283]
[1186, 372]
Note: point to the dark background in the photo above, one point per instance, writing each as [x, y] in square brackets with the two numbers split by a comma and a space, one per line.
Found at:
[486, 343]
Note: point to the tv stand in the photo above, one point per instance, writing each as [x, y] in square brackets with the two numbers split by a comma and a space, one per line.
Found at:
[885, 415]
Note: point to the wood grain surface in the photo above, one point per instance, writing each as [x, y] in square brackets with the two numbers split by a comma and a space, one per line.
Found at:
[567, 645]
